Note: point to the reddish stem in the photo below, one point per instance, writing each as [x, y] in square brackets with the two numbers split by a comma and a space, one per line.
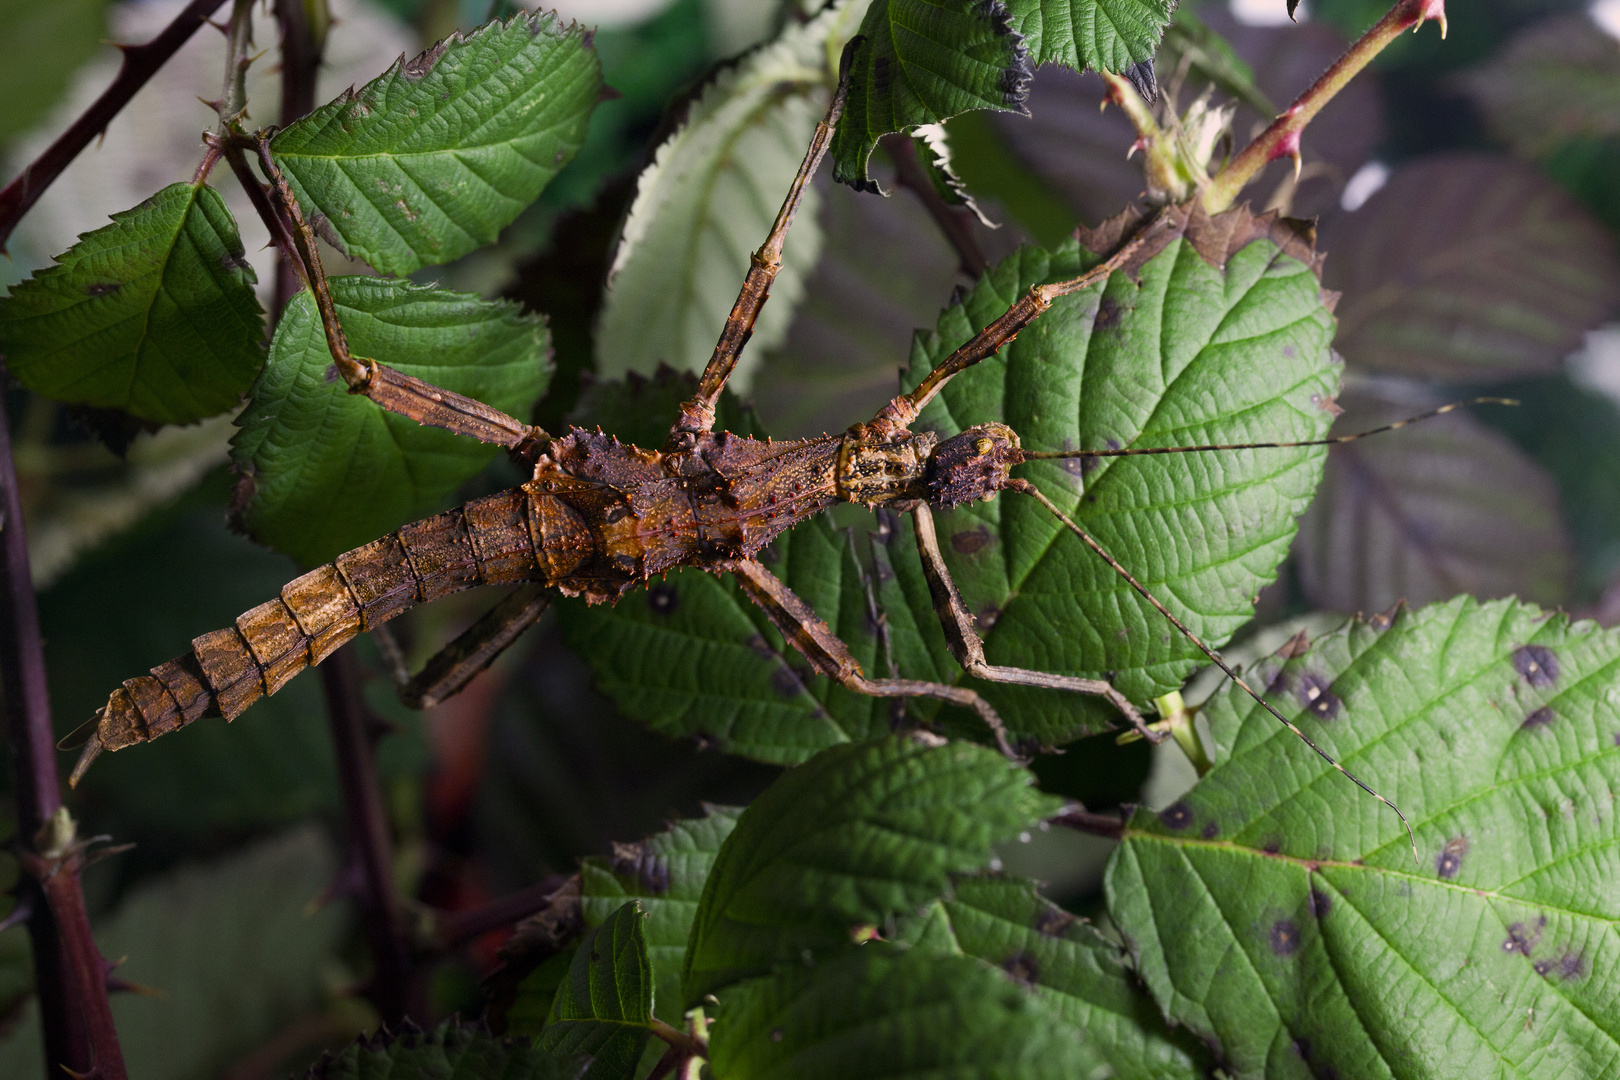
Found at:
[70, 978]
[458, 927]
[300, 61]
[1080, 819]
[141, 62]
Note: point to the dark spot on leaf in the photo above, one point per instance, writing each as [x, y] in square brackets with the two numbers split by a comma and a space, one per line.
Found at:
[1053, 921]
[969, 541]
[1572, 966]
[1542, 966]
[987, 616]
[332, 373]
[587, 39]
[1289, 352]
[1176, 816]
[417, 69]
[1315, 696]
[880, 74]
[102, 288]
[1022, 967]
[234, 260]
[1107, 314]
[1449, 861]
[1521, 940]
[1271, 846]
[776, 1035]
[786, 681]
[1321, 903]
[1536, 664]
[1284, 937]
[1210, 830]
[662, 599]
[1539, 718]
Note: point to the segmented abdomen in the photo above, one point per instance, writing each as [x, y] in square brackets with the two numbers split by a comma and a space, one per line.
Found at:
[510, 537]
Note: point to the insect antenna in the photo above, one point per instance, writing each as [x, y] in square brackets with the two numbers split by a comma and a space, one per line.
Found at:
[1027, 488]
[1132, 451]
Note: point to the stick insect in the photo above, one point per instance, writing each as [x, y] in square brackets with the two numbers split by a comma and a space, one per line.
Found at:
[599, 518]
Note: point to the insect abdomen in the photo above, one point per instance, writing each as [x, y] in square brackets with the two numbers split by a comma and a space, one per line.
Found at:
[508, 537]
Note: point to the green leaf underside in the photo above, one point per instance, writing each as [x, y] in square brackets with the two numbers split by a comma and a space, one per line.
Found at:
[921, 62]
[1099, 35]
[879, 1012]
[852, 837]
[665, 873]
[708, 201]
[1275, 909]
[153, 314]
[1192, 356]
[1071, 967]
[433, 158]
[604, 1007]
[450, 1051]
[330, 470]
[1554, 82]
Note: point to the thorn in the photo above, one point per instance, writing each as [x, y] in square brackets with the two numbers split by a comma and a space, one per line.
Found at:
[1139, 144]
[21, 913]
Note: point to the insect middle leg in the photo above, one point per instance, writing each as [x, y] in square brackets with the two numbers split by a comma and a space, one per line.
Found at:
[455, 665]
[810, 634]
[968, 648]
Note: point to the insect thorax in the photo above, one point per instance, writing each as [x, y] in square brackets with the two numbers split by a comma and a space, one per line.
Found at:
[883, 469]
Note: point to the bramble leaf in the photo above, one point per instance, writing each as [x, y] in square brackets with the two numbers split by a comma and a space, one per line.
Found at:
[1070, 966]
[433, 158]
[1275, 910]
[710, 197]
[1556, 81]
[1190, 355]
[604, 1006]
[330, 470]
[1448, 507]
[1095, 35]
[1468, 267]
[879, 1012]
[153, 314]
[451, 1051]
[921, 62]
[850, 838]
[665, 874]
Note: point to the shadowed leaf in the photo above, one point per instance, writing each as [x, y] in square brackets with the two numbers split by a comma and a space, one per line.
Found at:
[153, 314]
[1446, 507]
[432, 159]
[1468, 267]
[850, 838]
[604, 1005]
[1275, 909]
[451, 1051]
[329, 470]
[1559, 80]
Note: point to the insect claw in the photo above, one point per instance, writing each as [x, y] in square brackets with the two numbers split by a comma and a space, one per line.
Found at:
[92, 750]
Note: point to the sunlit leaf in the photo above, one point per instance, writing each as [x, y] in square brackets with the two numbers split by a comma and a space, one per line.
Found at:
[1095, 35]
[433, 158]
[329, 470]
[1275, 910]
[153, 314]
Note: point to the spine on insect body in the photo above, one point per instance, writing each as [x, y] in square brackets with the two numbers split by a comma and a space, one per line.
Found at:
[506, 538]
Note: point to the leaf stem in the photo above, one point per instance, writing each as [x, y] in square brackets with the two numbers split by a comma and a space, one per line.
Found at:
[70, 975]
[1281, 139]
[1080, 819]
[232, 104]
[391, 988]
[140, 63]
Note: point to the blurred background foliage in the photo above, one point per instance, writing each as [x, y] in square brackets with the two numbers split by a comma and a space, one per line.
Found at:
[1468, 196]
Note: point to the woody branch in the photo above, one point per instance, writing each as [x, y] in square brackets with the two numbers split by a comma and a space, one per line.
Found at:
[1281, 138]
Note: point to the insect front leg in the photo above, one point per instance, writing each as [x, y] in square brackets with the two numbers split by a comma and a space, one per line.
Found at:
[697, 413]
[968, 648]
[810, 634]
[455, 665]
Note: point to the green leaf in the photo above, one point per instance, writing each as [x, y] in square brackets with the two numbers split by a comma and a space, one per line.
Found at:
[922, 62]
[876, 1013]
[708, 200]
[1096, 35]
[851, 838]
[1468, 267]
[194, 935]
[1557, 81]
[604, 1006]
[433, 158]
[153, 314]
[1004, 922]
[451, 1051]
[1191, 355]
[1446, 507]
[665, 873]
[329, 469]
[1275, 910]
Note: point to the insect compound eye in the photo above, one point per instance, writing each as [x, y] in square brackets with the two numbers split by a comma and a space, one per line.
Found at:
[983, 446]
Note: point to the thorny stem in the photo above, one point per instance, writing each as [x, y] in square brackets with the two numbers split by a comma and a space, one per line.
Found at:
[232, 104]
[1080, 819]
[387, 934]
[1281, 139]
[300, 60]
[70, 974]
[141, 62]
[459, 927]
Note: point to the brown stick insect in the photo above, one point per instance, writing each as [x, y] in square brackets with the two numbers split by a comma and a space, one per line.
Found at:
[599, 518]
